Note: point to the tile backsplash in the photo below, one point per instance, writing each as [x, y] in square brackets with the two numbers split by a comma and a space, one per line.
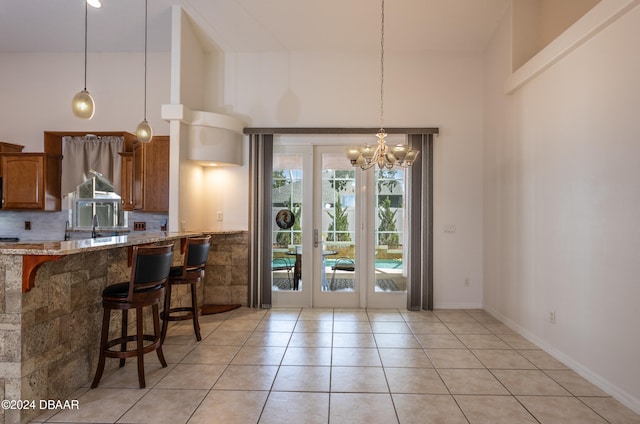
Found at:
[50, 226]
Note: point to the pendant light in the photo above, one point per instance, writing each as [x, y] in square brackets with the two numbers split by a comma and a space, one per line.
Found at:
[381, 154]
[95, 3]
[144, 132]
[82, 103]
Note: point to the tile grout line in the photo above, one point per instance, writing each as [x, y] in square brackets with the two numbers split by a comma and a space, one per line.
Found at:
[371, 319]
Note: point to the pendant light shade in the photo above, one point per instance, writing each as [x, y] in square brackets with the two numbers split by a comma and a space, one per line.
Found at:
[144, 132]
[95, 3]
[82, 104]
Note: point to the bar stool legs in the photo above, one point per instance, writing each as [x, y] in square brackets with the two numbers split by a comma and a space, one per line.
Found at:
[139, 338]
[192, 312]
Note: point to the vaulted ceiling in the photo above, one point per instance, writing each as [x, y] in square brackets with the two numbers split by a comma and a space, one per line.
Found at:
[253, 25]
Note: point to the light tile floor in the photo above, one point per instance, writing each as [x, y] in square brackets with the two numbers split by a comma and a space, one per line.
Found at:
[347, 366]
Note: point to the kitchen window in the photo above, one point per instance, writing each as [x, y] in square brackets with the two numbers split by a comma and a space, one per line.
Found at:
[96, 198]
[91, 171]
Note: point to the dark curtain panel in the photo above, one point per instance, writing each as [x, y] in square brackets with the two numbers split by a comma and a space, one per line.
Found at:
[260, 176]
[420, 288]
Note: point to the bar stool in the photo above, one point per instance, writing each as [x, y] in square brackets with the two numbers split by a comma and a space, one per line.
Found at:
[189, 273]
[149, 272]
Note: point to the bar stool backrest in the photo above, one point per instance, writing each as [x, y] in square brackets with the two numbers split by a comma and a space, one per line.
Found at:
[197, 253]
[150, 268]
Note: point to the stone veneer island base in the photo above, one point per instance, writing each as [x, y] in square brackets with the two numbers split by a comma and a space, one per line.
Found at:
[51, 308]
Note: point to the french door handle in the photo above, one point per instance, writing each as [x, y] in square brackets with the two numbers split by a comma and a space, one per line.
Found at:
[315, 238]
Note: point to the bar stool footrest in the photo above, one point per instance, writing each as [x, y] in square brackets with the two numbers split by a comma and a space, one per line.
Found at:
[132, 352]
[170, 317]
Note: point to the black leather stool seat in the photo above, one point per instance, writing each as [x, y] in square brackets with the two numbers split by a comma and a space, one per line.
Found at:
[175, 271]
[121, 290]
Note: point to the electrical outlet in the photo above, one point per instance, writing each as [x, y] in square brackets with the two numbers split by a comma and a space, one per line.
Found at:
[552, 317]
[467, 282]
[27, 225]
[139, 226]
[450, 228]
[219, 215]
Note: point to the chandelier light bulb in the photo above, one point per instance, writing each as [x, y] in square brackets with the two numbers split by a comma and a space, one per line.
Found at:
[83, 105]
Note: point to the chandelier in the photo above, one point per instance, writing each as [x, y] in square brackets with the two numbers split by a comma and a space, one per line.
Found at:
[381, 154]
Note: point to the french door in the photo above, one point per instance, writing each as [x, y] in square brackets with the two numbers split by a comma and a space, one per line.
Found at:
[338, 233]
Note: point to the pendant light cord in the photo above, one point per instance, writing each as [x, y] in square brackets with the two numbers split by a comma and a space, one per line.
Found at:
[145, 59]
[382, 69]
[86, 14]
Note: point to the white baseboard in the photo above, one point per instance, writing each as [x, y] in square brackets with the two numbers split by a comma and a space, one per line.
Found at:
[457, 306]
[602, 383]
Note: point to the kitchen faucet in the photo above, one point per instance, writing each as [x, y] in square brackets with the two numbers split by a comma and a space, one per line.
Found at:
[94, 234]
[67, 236]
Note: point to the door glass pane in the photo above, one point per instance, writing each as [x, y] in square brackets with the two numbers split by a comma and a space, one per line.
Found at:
[390, 267]
[287, 221]
[338, 223]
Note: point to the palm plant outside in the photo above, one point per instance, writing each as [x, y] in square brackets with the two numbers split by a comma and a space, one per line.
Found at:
[387, 231]
[339, 227]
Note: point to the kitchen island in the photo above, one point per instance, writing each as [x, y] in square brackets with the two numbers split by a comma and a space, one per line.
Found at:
[51, 308]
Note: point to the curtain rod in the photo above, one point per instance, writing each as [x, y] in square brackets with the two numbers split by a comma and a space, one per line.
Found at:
[306, 130]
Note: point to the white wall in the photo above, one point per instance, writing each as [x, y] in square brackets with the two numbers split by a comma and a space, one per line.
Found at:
[332, 90]
[36, 92]
[187, 195]
[536, 23]
[562, 204]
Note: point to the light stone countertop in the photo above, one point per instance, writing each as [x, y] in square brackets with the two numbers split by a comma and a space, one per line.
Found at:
[101, 243]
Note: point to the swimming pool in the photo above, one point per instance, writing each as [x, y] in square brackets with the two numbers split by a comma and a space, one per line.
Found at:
[380, 263]
[329, 262]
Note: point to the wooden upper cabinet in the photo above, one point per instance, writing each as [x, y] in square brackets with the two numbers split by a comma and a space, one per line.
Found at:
[31, 181]
[150, 185]
[126, 178]
[10, 148]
